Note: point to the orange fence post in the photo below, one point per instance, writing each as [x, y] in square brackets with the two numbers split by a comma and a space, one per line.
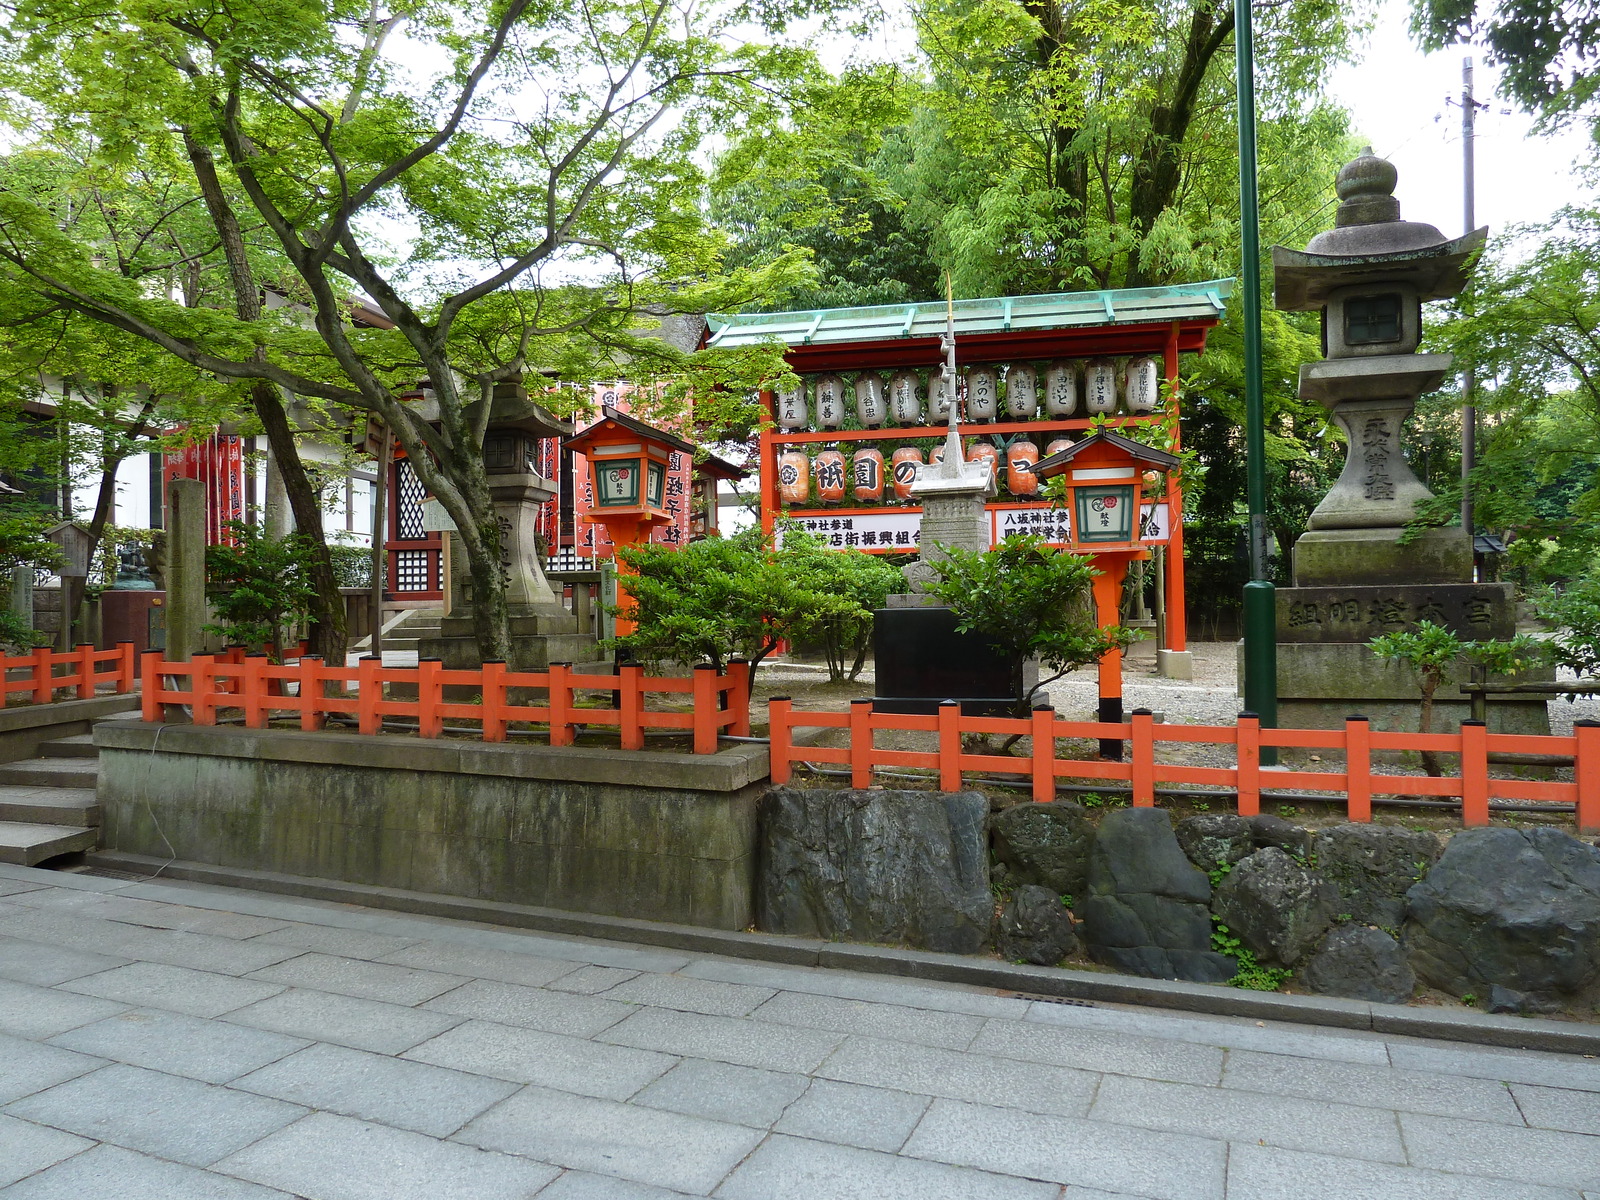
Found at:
[1358, 768]
[1044, 752]
[1249, 781]
[312, 715]
[253, 692]
[860, 743]
[950, 746]
[369, 693]
[630, 694]
[739, 697]
[202, 690]
[124, 667]
[494, 700]
[1474, 772]
[150, 698]
[560, 704]
[781, 744]
[44, 686]
[430, 722]
[85, 670]
[705, 708]
[1143, 779]
[1586, 774]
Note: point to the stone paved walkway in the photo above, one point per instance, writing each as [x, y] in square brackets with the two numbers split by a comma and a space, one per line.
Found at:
[165, 1041]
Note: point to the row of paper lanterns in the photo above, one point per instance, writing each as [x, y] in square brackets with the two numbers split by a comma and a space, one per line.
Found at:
[1054, 394]
[867, 478]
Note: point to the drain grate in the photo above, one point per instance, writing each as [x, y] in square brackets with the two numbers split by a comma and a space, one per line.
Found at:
[1053, 999]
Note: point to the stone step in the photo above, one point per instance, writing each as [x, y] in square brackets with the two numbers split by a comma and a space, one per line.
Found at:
[79, 746]
[77, 807]
[27, 845]
[51, 772]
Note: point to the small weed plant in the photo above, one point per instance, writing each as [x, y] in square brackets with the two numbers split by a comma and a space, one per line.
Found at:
[1250, 974]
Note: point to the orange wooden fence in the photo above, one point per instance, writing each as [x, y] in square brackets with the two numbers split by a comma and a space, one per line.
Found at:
[36, 673]
[312, 690]
[1357, 782]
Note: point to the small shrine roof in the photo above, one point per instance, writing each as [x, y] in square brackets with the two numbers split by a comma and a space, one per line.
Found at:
[579, 441]
[1056, 463]
[995, 315]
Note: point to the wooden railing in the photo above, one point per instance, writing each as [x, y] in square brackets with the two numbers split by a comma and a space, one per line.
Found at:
[36, 673]
[1357, 783]
[313, 691]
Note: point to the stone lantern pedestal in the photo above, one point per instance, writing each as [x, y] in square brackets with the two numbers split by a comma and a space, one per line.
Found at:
[1357, 573]
[920, 659]
[542, 630]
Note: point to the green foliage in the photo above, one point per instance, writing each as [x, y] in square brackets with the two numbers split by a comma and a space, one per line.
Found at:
[1544, 50]
[1432, 651]
[17, 636]
[352, 564]
[1575, 612]
[259, 587]
[1250, 974]
[1029, 600]
[721, 598]
[847, 587]
[1221, 871]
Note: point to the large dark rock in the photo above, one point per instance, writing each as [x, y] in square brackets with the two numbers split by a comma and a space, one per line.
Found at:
[1362, 963]
[1035, 927]
[1145, 912]
[1512, 915]
[1275, 906]
[908, 868]
[1267, 830]
[1373, 866]
[1213, 839]
[1045, 844]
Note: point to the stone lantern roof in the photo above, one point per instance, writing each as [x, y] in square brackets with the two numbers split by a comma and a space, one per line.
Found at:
[1369, 243]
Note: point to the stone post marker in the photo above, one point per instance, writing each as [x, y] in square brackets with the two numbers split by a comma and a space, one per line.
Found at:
[951, 493]
[185, 567]
[1354, 576]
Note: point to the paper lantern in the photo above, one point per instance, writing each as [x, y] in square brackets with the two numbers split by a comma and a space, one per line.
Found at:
[830, 402]
[1022, 391]
[903, 465]
[794, 476]
[1143, 389]
[905, 398]
[984, 452]
[1061, 389]
[870, 406]
[829, 470]
[1060, 443]
[866, 475]
[1020, 479]
[792, 412]
[939, 400]
[1099, 386]
[983, 393]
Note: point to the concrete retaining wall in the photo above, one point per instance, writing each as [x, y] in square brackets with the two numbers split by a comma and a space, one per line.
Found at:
[664, 836]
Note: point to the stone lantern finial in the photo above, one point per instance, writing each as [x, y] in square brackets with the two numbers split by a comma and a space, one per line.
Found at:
[1366, 191]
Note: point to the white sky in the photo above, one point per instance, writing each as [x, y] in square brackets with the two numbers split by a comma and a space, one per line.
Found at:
[1395, 91]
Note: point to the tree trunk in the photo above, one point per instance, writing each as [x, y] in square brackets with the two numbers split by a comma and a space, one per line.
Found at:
[328, 636]
[1158, 170]
[1430, 760]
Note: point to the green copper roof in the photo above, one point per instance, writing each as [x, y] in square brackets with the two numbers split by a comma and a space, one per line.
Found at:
[1003, 314]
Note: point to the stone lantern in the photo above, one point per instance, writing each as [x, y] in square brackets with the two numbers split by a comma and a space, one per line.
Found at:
[1354, 578]
[542, 630]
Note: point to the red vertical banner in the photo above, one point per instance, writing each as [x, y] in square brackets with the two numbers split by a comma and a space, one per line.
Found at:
[218, 462]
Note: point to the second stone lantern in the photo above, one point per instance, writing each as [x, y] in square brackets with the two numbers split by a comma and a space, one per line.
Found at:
[1354, 577]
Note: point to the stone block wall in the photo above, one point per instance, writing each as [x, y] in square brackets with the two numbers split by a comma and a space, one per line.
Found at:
[653, 835]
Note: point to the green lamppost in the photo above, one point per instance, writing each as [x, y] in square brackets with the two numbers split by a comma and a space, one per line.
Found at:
[1260, 637]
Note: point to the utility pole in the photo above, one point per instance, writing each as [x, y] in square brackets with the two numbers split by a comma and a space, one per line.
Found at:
[1469, 382]
[1260, 617]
